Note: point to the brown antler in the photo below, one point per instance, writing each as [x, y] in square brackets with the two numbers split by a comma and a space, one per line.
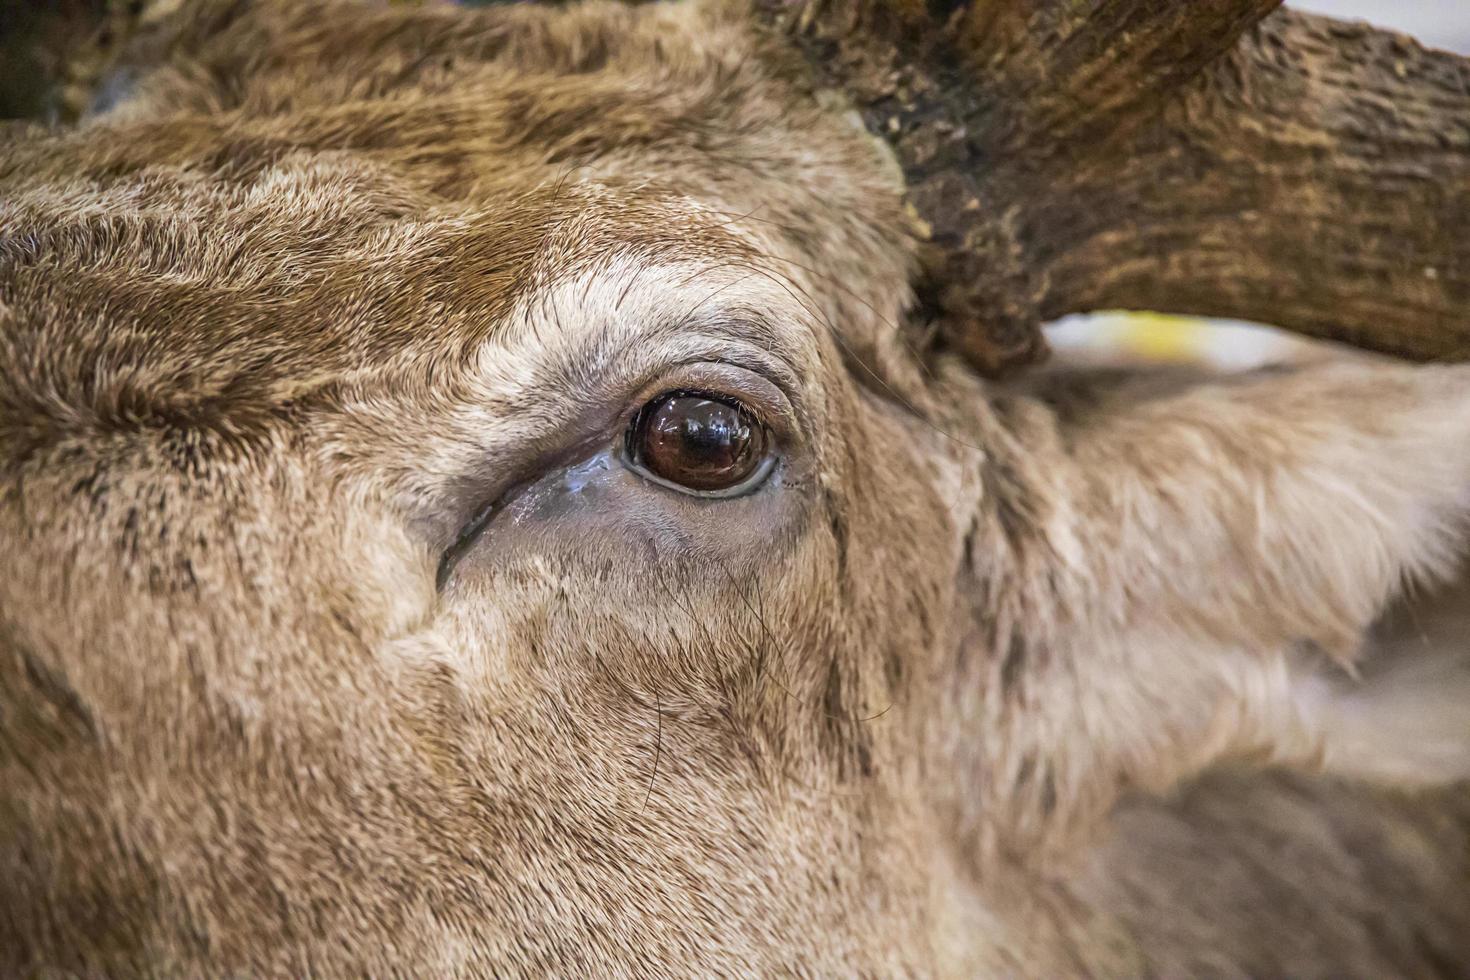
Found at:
[1196, 157]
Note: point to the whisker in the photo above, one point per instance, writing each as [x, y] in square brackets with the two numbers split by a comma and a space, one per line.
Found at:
[893, 326]
[766, 629]
[807, 303]
[658, 747]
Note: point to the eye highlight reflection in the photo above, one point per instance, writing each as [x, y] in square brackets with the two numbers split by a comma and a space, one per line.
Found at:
[699, 443]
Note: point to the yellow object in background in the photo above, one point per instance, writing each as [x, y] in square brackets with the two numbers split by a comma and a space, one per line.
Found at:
[1161, 337]
[1158, 338]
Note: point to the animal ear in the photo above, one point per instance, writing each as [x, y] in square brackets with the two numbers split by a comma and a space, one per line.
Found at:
[1191, 573]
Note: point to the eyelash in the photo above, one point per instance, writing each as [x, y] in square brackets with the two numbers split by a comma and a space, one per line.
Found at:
[714, 394]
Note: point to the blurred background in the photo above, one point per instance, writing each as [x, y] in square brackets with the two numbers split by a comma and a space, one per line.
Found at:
[1112, 337]
[1442, 23]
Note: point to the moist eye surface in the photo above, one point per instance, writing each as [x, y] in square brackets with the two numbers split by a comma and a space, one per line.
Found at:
[700, 443]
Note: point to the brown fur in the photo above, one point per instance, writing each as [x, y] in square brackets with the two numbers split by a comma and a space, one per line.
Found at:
[1045, 682]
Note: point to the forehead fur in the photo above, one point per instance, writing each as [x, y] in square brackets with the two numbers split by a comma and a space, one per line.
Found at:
[237, 238]
[207, 298]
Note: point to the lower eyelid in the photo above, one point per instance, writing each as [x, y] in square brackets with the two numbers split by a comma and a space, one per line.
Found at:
[745, 487]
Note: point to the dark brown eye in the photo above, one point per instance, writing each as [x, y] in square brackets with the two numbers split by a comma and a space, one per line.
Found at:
[699, 443]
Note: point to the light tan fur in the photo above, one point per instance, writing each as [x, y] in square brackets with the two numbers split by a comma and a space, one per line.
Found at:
[1069, 679]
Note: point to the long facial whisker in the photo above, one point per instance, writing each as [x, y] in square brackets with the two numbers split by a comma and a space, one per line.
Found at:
[658, 746]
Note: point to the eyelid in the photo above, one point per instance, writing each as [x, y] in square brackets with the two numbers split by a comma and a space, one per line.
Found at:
[748, 485]
[752, 386]
[762, 397]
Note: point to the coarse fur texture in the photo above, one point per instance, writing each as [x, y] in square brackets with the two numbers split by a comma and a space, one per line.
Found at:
[1075, 678]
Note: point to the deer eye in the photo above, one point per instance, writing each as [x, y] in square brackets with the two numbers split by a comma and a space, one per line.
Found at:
[702, 444]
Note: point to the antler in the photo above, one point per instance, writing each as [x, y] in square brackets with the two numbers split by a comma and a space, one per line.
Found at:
[1197, 157]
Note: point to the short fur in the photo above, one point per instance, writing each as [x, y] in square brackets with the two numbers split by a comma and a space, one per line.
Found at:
[1068, 680]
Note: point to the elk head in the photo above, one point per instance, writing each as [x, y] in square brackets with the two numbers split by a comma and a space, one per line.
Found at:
[511, 491]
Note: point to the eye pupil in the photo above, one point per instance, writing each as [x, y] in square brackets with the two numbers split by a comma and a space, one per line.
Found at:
[696, 441]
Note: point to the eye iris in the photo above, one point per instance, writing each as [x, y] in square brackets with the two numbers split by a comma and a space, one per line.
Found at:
[698, 442]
